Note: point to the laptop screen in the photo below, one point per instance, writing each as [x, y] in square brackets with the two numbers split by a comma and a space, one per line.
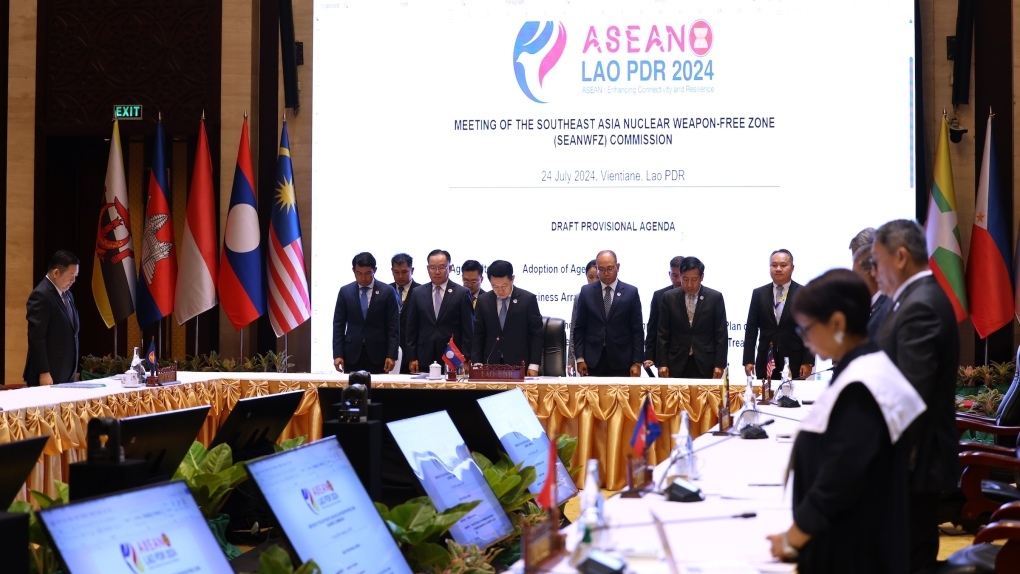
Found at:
[324, 510]
[449, 475]
[524, 439]
[157, 530]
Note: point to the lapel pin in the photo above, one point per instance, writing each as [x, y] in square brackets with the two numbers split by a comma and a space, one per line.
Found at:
[896, 306]
[514, 301]
[702, 297]
[618, 294]
[449, 290]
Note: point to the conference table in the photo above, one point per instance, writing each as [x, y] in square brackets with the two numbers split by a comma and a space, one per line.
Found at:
[600, 412]
[738, 477]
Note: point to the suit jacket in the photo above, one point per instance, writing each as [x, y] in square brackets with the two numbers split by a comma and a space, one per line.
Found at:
[428, 335]
[706, 336]
[520, 338]
[921, 336]
[403, 321]
[879, 311]
[377, 333]
[480, 293]
[652, 333]
[52, 335]
[762, 325]
[617, 338]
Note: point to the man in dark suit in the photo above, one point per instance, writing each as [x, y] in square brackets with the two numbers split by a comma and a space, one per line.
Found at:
[53, 324]
[471, 277]
[435, 313]
[508, 324]
[610, 331]
[402, 267]
[366, 322]
[591, 275]
[771, 323]
[692, 334]
[652, 333]
[921, 336]
[880, 303]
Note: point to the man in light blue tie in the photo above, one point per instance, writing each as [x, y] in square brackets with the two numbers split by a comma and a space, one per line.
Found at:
[366, 322]
[436, 312]
[508, 324]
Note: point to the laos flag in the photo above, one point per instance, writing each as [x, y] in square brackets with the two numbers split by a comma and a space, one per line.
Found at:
[240, 274]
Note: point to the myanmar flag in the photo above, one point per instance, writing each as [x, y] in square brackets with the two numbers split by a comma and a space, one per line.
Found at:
[945, 256]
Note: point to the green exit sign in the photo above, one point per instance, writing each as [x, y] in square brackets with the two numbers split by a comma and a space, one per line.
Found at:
[131, 112]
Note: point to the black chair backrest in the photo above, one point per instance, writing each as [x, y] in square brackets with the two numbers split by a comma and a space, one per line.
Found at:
[1009, 409]
[554, 348]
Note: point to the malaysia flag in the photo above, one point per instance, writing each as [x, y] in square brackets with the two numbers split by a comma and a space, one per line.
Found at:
[240, 273]
[289, 305]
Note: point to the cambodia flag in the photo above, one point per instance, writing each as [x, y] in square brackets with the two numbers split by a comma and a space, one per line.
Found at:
[157, 275]
[452, 356]
[647, 428]
[989, 273]
[547, 497]
[240, 273]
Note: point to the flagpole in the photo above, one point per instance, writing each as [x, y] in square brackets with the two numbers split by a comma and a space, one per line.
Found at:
[286, 335]
[241, 356]
[196, 332]
[114, 339]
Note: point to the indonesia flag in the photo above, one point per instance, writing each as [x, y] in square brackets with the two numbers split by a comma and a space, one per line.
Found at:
[196, 278]
[240, 274]
[157, 276]
[546, 498]
[289, 305]
[989, 277]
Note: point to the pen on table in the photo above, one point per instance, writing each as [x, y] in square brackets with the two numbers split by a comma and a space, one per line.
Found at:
[765, 484]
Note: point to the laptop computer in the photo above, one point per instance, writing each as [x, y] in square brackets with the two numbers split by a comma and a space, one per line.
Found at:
[324, 511]
[19, 459]
[254, 424]
[156, 528]
[162, 439]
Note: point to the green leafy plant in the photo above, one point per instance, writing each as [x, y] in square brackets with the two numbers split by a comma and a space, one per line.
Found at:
[289, 443]
[508, 481]
[210, 475]
[565, 447]
[985, 402]
[275, 560]
[43, 558]
[468, 559]
[417, 528]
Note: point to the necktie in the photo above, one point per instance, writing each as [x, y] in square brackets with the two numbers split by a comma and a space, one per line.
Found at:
[364, 302]
[474, 301]
[403, 296]
[607, 300]
[691, 304]
[780, 298]
[502, 312]
[68, 307]
[437, 298]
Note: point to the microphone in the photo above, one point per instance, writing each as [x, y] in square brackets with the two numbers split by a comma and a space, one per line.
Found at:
[499, 343]
[676, 454]
[814, 373]
[756, 431]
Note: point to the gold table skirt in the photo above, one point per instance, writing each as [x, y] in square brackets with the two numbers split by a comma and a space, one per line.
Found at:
[601, 415]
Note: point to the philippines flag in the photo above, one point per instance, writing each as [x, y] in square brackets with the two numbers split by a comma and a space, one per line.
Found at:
[771, 365]
[196, 279]
[647, 428]
[240, 274]
[157, 275]
[289, 305]
[452, 356]
[546, 499]
[989, 276]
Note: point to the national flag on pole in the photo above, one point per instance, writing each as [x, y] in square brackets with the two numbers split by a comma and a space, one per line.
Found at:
[989, 272]
[150, 355]
[546, 498]
[240, 273]
[289, 305]
[770, 366]
[945, 257]
[646, 429]
[113, 267]
[196, 278]
[157, 275]
[452, 356]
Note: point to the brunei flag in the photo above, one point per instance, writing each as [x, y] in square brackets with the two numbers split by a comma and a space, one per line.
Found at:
[945, 257]
[240, 273]
[989, 273]
[157, 276]
[113, 268]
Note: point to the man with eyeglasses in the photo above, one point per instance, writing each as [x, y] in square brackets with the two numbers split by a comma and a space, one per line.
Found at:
[921, 336]
[402, 268]
[610, 330]
[692, 334]
[435, 312]
[880, 304]
[471, 277]
[651, 333]
[770, 322]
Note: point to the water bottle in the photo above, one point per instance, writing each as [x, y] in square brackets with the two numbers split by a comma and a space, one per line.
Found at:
[787, 374]
[786, 386]
[592, 519]
[684, 464]
[135, 359]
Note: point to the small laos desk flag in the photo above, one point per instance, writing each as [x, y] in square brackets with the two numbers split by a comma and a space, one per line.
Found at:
[452, 356]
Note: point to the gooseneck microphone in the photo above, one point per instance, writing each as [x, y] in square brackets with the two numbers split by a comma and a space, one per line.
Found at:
[499, 343]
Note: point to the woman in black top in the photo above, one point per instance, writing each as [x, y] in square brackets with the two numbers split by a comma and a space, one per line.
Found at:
[849, 472]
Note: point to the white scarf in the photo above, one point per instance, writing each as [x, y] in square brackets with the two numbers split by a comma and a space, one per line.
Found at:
[896, 397]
